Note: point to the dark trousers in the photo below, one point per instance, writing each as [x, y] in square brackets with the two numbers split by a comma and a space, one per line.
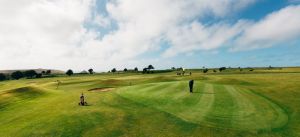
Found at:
[191, 89]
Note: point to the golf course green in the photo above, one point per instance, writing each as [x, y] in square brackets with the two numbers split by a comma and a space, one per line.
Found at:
[260, 103]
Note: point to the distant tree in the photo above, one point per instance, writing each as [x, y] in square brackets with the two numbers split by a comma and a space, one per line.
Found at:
[145, 70]
[114, 70]
[43, 72]
[205, 70]
[136, 69]
[150, 67]
[48, 72]
[240, 68]
[215, 71]
[222, 68]
[30, 73]
[125, 70]
[251, 69]
[2, 77]
[91, 71]
[39, 75]
[173, 68]
[70, 72]
[17, 75]
[270, 67]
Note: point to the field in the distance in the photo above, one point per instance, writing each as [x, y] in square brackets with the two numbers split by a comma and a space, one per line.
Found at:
[259, 103]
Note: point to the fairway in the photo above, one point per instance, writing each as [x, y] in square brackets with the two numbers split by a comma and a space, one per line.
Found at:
[152, 105]
[211, 105]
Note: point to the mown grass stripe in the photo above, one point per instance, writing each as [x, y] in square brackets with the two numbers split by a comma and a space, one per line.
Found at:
[244, 117]
[223, 109]
[196, 113]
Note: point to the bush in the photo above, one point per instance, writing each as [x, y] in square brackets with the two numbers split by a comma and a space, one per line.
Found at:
[39, 75]
[17, 75]
[136, 69]
[48, 72]
[2, 77]
[70, 72]
[91, 71]
[114, 70]
[145, 70]
[205, 70]
[222, 68]
[30, 73]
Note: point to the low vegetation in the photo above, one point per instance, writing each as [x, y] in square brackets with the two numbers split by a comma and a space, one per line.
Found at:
[263, 102]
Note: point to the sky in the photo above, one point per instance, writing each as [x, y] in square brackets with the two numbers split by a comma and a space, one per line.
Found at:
[106, 34]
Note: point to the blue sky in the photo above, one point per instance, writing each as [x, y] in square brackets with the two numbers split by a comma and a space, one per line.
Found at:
[103, 34]
[279, 55]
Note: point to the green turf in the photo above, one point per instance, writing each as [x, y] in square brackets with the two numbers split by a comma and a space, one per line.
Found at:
[223, 104]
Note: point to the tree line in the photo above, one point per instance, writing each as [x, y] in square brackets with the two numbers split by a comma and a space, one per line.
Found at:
[145, 70]
[23, 74]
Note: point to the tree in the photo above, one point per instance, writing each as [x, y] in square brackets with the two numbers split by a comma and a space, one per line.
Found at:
[136, 69]
[17, 75]
[270, 67]
[222, 68]
[30, 73]
[150, 67]
[43, 72]
[145, 70]
[91, 71]
[173, 68]
[70, 72]
[48, 72]
[39, 75]
[2, 77]
[215, 71]
[114, 70]
[205, 70]
[125, 69]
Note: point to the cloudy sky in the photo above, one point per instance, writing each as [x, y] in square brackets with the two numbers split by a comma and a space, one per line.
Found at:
[102, 34]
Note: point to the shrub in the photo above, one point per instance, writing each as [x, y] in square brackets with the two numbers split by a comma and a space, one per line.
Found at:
[114, 70]
[2, 77]
[30, 73]
[17, 75]
[222, 68]
[70, 72]
[91, 71]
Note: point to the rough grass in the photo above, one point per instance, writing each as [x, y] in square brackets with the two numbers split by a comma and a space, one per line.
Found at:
[255, 104]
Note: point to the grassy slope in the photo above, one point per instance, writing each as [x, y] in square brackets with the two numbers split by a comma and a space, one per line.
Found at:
[154, 105]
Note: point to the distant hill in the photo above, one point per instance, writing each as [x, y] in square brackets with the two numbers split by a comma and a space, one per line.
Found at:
[53, 71]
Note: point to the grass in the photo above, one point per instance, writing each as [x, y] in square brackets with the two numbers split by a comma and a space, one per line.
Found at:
[224, 104]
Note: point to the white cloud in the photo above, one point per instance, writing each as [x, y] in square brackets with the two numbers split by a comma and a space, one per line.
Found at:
[143, 24]
[279, 27]
[196, 36]
[36, 33]
[52, 33]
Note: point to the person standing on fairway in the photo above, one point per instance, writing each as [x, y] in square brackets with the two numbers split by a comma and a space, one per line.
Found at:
[191, 85]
